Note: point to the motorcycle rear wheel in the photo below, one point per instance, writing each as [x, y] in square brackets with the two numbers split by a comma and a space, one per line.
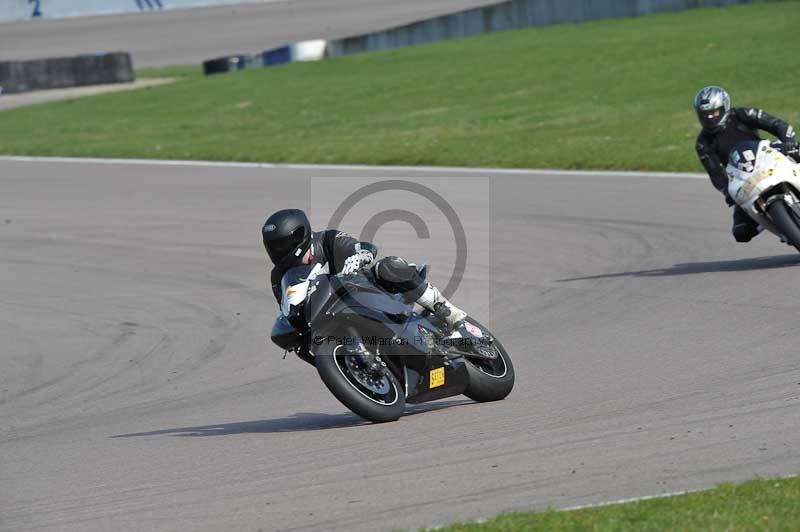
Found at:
[489, 380]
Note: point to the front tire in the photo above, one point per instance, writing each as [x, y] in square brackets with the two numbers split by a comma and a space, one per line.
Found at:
[489, 380]
[786, 221]
[376, 400]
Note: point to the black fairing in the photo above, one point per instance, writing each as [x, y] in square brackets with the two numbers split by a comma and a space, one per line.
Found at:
[358, 295]
[284, 335]
[340, 306]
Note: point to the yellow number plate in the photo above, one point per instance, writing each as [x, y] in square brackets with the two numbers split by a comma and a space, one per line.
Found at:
[437, 377]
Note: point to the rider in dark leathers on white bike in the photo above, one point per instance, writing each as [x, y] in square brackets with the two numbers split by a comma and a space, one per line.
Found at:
[725, 126]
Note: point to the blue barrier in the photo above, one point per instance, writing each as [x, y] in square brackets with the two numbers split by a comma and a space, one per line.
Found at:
[288, 53]
[277, 56]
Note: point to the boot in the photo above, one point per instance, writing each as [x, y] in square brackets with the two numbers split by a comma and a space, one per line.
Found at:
[434, 301]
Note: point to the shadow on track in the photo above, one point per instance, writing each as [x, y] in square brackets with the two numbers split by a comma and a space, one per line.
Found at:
[300, 422]
[689, 268]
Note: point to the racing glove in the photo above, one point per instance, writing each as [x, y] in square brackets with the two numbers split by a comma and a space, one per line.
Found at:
[791, 148]
[353, 263]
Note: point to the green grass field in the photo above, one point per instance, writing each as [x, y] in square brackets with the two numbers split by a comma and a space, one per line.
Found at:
[769, 504]
[612, 94]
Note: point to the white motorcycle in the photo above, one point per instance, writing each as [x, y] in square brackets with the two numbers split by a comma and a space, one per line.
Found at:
[765, 183]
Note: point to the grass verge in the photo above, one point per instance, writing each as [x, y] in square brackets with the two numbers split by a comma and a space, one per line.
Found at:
[612, 94]
[764, 504]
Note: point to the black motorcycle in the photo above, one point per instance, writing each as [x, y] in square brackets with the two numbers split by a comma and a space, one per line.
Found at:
[375, 353]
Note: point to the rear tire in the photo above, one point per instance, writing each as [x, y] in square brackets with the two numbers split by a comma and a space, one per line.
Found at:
[786, 221]
[489, 380]
[338, 375]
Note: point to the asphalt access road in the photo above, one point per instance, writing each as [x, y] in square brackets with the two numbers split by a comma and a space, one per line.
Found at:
[138, 391]
[175, 37]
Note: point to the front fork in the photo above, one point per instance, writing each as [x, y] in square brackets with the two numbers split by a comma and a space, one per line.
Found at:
[782, 192]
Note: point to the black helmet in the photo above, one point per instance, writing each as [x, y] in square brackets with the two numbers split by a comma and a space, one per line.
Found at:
[287, 236]
[713, 105]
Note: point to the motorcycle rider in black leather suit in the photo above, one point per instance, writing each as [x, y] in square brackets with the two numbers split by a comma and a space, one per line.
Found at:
[725, 126]
[290, 242]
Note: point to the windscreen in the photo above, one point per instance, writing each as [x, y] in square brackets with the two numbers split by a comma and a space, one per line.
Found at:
[743, 156]
[294, 285]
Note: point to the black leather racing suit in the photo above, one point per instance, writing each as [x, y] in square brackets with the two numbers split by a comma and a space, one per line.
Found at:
[329, 247]
[713, 149]
[336, 248]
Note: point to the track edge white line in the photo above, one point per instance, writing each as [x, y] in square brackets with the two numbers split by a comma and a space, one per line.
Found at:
[602, 504]
[356, 167]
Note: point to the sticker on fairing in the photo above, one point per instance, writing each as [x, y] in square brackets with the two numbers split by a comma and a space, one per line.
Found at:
[297, 293]
[749, 155]
[436, 377]
[473, 330]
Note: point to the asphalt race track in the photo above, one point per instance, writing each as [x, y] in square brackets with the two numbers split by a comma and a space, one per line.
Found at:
[138, 390]
[176, 37]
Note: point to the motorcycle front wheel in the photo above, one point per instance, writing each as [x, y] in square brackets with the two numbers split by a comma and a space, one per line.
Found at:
[786, 221]
[375, 397]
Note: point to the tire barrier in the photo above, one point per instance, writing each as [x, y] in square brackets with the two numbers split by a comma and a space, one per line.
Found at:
[63, 72]
[301, 51]
[512, 14]
[313, 50]
[230, 63]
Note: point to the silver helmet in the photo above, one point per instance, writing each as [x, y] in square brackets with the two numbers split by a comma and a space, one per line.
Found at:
[713, 106]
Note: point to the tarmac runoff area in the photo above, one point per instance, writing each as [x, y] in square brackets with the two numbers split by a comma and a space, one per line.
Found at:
[138, 390]
[190, 36]
[10, 101]
[184, 36]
